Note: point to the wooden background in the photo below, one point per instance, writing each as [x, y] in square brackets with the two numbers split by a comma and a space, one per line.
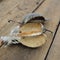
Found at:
[15, 10]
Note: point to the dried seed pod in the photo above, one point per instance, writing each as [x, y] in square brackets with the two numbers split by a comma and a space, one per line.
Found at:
[34, 41]
[31, 29]
[36, 36]
[33, 17]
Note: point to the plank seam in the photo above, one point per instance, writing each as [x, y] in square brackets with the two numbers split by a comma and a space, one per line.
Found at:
[38, 6]
[52, 40]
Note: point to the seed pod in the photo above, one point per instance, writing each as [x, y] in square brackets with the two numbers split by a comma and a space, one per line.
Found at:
[33, 17]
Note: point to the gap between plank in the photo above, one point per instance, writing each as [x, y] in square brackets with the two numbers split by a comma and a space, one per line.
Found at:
[52, 40]
[38, 6]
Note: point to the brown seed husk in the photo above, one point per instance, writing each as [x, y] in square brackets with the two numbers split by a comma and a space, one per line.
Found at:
[30, 29]
[33, 42]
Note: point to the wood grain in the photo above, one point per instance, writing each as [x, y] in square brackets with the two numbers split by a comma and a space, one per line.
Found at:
[55, 49]
[7, 5]
[49, 9]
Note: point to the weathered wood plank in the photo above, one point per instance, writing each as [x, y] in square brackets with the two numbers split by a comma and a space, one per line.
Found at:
[8, 5]
[49, 9]
[55, 49]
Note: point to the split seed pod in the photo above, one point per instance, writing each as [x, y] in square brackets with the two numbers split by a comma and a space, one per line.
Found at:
[32, 36]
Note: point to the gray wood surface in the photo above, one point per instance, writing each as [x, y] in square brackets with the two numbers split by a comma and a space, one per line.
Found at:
[54, 53]
[49, 9]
